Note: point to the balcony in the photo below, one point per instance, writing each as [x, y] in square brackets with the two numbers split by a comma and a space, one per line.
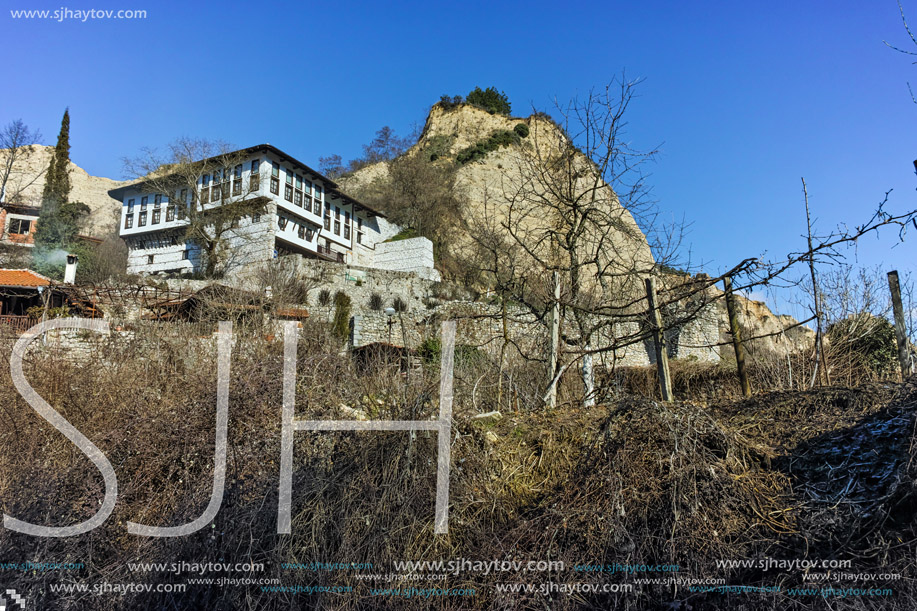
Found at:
[325, 252]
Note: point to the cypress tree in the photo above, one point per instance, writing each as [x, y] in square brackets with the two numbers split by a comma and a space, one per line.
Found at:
[59, 218]
[57, 180]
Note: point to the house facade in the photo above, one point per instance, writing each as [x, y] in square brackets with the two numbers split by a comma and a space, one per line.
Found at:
[304, 213]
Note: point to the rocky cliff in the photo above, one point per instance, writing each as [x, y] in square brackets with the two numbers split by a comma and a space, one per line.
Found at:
[756, 320]
[505, 186]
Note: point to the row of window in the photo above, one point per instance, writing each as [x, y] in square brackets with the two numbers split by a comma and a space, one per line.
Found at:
[223, 183]
[297, 190]
[305, 232]
[172, 212]
[171, 216]
[150, 242]
[158, 200]
[185, 255]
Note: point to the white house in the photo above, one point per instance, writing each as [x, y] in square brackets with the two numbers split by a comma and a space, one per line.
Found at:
[306, 214]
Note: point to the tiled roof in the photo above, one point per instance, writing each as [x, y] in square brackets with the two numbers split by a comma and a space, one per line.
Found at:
[293, 312]
[22, 278]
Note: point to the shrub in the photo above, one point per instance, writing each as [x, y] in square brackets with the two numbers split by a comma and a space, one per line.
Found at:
[341, 324]
[375, 302]
[868, 341]
[324, 297]
[38, 311]
[448, 103]
[429, 350]
[399, 305]
[490, 100]
[522, 130]
[405, 234]
[499, 138]
[438, 146]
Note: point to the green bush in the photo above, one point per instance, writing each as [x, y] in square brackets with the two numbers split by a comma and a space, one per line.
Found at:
[479, 150]
[448, 103]
[429, 350]
[57, 229]
[490, 100]
[522, 130]
[469, 356]
[405, 234]
[324, 297]
[341, 324]
[38, 311]
[438, 146]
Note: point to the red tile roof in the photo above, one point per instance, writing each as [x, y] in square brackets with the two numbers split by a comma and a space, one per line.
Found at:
[22, 278]
[293, 313]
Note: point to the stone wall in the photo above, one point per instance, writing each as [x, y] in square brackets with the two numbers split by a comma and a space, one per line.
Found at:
[358, 283]
[411, 255]
[481, 325]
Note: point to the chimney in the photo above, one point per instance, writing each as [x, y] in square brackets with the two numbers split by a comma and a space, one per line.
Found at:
[70, 270]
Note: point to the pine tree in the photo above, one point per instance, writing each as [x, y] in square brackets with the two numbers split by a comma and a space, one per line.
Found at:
[57, 180]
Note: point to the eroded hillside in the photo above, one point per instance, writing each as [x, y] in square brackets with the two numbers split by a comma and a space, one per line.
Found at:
[27, 181]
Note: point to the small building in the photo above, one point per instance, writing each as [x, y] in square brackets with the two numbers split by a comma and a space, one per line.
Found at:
[18, 224]
[22, 293]
[25, 295]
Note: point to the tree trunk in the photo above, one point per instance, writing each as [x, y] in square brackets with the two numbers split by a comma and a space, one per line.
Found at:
[555, 340]
[662, 356]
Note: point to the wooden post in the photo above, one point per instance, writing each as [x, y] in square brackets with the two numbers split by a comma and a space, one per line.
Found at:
[904, 358]
[736, 337]
[555, 340]
[662, 357]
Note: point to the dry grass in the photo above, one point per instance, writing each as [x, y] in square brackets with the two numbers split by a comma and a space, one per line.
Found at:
[629, 481]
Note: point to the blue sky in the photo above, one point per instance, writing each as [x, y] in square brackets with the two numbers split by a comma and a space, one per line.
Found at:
[744, 98]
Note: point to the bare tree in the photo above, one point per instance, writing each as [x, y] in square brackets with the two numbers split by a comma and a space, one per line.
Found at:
[213, 214]
[386, 146]
[820, 370]
[566, 211]
[16, 146]
[913, 39]
[419, 194]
